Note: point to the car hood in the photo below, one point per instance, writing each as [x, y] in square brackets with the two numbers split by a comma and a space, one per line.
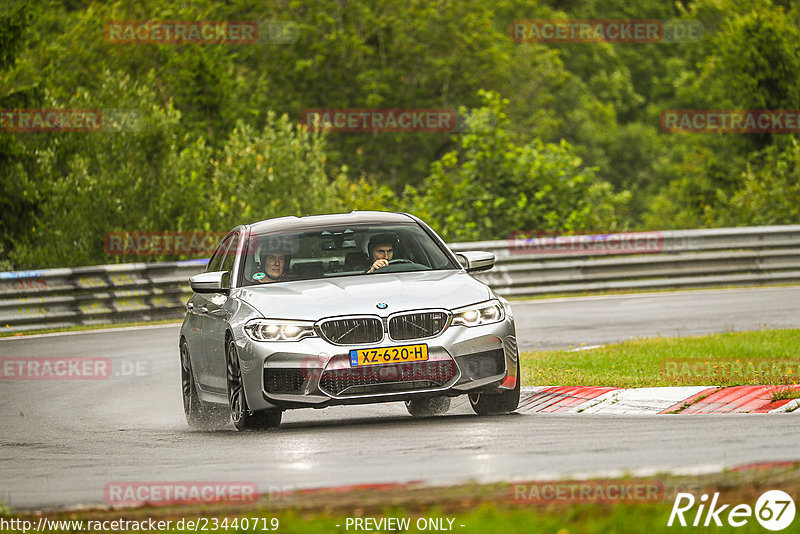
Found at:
[360, 294]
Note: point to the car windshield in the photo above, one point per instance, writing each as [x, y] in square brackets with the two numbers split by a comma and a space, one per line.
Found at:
[341, 251]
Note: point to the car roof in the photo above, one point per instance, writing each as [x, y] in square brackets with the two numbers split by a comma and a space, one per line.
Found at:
[336, 219]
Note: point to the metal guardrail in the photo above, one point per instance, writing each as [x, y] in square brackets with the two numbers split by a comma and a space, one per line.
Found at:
[682, 259]
[103, 294]
[52, 298]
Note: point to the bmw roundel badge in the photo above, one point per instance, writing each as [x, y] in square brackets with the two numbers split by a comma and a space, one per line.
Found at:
[382, 305]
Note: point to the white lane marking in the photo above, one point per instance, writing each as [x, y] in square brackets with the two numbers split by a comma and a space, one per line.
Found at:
[792, 406]
[529, 393]
[651, 294]
[531, 390]
[589, 347]
[591, 406]
[638, 400]
[632, 401]
[97, 331]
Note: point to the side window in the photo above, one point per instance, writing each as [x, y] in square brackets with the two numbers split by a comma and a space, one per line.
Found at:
[230, 256]
[216, 260]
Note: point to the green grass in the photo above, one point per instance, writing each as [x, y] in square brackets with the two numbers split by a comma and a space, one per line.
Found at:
[480, 508]
[787, 393]
[738, 358]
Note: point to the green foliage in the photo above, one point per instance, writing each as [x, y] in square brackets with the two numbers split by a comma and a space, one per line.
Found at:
[19, 191]
[493, 186]
[770, 192]
[100, 181]
[364, 194]
[750, 61]
[13, 25]
[277, 171]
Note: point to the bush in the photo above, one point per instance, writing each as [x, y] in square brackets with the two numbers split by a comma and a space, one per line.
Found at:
[491, 186]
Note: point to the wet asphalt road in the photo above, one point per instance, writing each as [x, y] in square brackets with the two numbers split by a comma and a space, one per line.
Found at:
[62, 442]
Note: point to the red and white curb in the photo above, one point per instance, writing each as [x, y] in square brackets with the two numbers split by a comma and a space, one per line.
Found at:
[685, 400]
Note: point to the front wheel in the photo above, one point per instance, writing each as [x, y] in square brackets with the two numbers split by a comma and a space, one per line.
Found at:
[241, 416]
[496, 403]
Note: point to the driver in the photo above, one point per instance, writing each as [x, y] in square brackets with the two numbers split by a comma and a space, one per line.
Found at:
[275, 259]
[381, 250]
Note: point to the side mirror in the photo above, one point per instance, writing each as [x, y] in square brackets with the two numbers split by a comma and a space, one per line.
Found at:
[214, 282]
[474, 261]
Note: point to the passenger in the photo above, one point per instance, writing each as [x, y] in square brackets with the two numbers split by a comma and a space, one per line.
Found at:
[275, 262]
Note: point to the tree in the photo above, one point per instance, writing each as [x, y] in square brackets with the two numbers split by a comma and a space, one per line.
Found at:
[493, 186]
[750, 62]
[770, 191]
[19, 186]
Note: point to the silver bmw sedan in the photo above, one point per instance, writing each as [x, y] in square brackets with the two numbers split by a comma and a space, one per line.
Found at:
[365, 307]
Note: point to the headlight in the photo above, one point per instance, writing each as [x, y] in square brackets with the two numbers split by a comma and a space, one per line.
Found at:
[506, 307]
[479, 314]
[278, 330]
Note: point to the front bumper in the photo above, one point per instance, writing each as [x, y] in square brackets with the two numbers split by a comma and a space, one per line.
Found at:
[315, 373]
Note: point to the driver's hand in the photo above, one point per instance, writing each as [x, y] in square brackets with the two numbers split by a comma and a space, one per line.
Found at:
[378, 264]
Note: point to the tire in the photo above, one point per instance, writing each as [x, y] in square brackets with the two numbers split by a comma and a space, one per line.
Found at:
[241, 416]
[428, 407]
[496, 403]
[199, 415]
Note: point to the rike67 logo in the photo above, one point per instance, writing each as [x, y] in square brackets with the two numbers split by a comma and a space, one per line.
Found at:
[774, 510]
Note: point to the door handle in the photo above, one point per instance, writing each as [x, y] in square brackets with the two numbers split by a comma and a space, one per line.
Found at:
[190, 306]
[204, 310]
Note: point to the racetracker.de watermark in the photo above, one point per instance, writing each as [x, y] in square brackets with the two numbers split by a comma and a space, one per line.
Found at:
[316, 369]
[380, 120]
[161, 243]
[731, 368]
[229, 32]
[69, 368]
[588, 491]
[50, 120]
[70, 120]
[537, 242]
[751, 121]
[165, 493]
[605, 31]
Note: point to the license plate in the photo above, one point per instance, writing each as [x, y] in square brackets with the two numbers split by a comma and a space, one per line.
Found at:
[386, 355]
